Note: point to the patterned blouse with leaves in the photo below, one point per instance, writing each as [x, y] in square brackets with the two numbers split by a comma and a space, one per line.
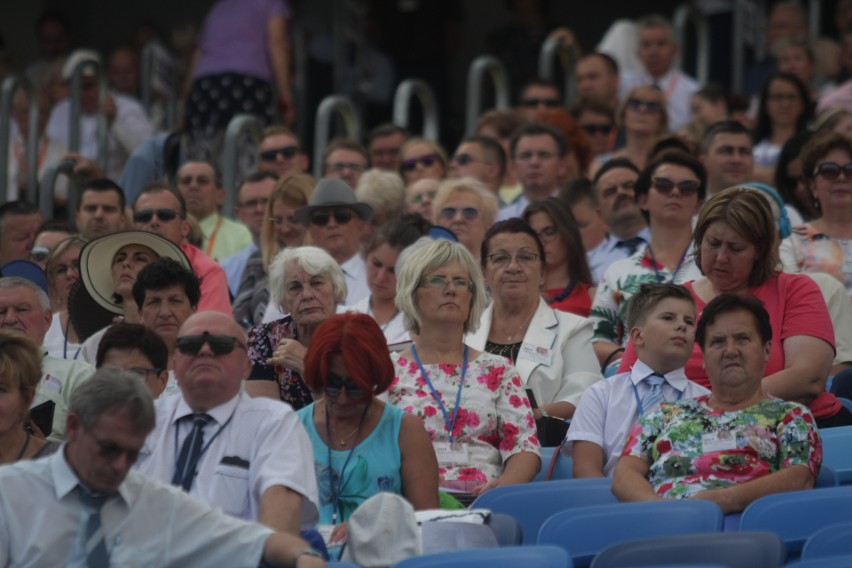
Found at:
[262, 341]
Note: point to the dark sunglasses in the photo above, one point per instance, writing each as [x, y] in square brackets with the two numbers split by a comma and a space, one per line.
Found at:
[335, 384]
[649, 106]
[469, 213]
[341, 216]
[146, 215]
[532, 103]
[287, 151]
[219, 344]
[426, 161]
[830, 171]
[593, 129]
[686, 187]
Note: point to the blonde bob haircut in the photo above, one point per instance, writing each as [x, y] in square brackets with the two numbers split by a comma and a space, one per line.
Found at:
[294, 191]
[20, 363]
[312, 260]
[488, 201]
[424, 257]
[747, 212]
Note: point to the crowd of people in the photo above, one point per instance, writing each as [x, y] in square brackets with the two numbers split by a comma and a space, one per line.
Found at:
[655, 279]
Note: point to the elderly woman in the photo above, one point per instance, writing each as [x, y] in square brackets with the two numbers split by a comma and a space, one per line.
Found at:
[734, 445]
[383, 191]
[568, 282]
[307, 284]
[737, 253]
[550, 349]
[361, 445]
[421, 158]
[467, 208]
[472, 402]
[20, 372]
[63, 271]
[825, 244]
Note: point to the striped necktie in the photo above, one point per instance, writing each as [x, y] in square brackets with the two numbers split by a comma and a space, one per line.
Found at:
[654, 397]
[95, 544]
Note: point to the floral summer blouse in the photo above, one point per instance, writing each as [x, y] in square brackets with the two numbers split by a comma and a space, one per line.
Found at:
[495, 419]
[262, 341]
[692, 448]
[809, 250]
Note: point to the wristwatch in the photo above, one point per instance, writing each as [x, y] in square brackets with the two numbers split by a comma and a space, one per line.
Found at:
[543, 412]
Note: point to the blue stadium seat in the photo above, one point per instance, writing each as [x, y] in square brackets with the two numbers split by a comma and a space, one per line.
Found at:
[507, 557]
[834, 540]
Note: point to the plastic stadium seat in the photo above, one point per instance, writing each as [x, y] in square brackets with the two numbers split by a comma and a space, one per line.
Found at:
[507, 557]
[827, 477]
[506, 528]
[827, 562]
[834, 540]
[564, 468]
[836, 443]
[586, 531]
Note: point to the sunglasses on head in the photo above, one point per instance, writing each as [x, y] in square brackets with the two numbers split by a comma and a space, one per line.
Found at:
[334, 385]
[533, 102]
[426, 161]
[830, 171]
[686, 187]
[649, 106]
[341, 216]
[287, 151]
[146, 215]
[593, 129]
[219, 344]
[469, 213]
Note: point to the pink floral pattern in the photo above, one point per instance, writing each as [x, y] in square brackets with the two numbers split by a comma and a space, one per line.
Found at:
[495, 418]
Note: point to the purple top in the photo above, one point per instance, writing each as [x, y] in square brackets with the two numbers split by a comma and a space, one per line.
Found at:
[234, 38]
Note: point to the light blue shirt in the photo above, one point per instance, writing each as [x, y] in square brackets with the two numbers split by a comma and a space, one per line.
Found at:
[235, 265]
[609, 251]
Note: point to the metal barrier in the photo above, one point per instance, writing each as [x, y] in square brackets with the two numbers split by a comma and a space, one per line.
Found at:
[814, 17]
[409, 89]
[75, 114]
[478, 68]
[45, 197]
[322, 124]
[167, 76]
[549, 51]
[684, 14]
[7, 95]
[236, 127]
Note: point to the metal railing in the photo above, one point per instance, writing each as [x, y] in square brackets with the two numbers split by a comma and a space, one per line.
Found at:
[684, 15]
[479, 68]
[409, 89]
[328, 107]
[7, 96]
[46, 192]
[166, 75]
[75, 114]
[242, 123]
[554, 48]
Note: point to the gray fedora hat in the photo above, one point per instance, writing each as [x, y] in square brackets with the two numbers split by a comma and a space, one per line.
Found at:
[331, 193]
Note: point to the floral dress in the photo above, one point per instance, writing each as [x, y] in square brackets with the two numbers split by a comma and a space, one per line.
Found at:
[262, 341]
[809, 250]
[494, 419]
[692, 448]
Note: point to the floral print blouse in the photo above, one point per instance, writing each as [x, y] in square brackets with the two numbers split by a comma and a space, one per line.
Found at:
[809, 250]
[262, 341]
[495, 419]
[685, 444]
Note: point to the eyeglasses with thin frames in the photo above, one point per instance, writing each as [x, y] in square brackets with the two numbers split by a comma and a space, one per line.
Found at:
[443, 283]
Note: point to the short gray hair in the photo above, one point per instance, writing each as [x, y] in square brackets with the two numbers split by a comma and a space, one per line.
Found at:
[113, 389]
[426, 256]
[656, 21]
[17, 282]
[472, 186]
[383, 191]
[312, 260]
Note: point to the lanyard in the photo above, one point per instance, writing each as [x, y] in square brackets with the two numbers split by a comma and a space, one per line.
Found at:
[451, 424]
[639, 400]
[194, 464]
[212, 242]
[657, 274]
[338, 490]
[65, 345]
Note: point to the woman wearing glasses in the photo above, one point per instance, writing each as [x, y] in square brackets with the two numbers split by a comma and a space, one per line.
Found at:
[62, 271]
[467, 208]
[550, 349]
[472, 402]
[785, 109]
[421, 158]
[361, 445]
[669, 192]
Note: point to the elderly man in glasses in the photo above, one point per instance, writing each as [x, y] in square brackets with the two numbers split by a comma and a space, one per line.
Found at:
[249, 457]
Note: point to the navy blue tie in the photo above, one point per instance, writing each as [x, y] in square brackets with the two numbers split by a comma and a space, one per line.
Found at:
[95, 544]
[190, 452]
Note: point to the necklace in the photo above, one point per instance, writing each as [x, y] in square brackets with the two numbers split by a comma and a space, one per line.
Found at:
[520, 328]
[342, 441]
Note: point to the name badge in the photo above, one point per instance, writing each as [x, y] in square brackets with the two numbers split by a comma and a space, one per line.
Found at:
[456, 453]
[847, 264]
[536, 354]
[718, 442]
[51, 383]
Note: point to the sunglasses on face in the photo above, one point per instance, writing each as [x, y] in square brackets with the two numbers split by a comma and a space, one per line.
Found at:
[415, 199]
[334, 385]
[287, 152]
[39, 254]
[830, 171]
[341, 216]
[648, 106]
[468, 213]
[533, 102]
[686, 187]
[219, 344]
[595, 129]
[146, 215]
[426, 161]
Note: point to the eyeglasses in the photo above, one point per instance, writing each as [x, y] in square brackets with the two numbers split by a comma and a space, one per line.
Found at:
[830, 171]
[648, 106]
[469, 213]
[686, 187]
[145, 371]
[528, 155]
[533, 102]
[62, 269]
[426, 161]
[253, 203]
[443, 282]
[465, 159]
[339, 168]
[783, 98]
[502, 259]
[146, 215]
[287, 152]
[219, 344]
[341, 216]
[595, 129]
[415, 199]
[111, 451]
[334, 385]
[547, 234]
[39, 254]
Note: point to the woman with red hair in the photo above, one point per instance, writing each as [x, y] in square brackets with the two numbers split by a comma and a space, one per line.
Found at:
[361, 445]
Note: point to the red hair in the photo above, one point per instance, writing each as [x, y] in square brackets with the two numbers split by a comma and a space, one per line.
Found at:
[361, 343]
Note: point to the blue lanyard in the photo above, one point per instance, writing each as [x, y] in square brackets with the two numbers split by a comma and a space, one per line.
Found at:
[451, 424]
[338, 490]
[204, 448]
[639, 400]
[657, 274]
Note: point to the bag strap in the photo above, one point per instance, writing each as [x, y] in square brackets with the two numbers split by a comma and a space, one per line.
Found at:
[553, 458]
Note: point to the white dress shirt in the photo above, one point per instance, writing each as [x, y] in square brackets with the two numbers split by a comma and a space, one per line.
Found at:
[394, 330]
[608, 409]
[260, 443]
[146, 524]
[355, 275]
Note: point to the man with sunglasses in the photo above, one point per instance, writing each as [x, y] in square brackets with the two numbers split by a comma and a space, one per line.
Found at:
[280, 152]
[249, 457]
[336, 221]
[482, 158]
[537, 97]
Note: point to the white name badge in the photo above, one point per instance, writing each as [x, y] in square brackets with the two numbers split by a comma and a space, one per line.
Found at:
[51, 383]
[452, 454]
[718, 442]
[847, 264]
[536, 354]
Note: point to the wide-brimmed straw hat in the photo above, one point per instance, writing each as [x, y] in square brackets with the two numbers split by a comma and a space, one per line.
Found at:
[331, 192]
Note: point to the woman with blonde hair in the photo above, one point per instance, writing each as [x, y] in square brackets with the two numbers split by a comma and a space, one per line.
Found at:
[467, 208]
[421, 158]
[62, 270]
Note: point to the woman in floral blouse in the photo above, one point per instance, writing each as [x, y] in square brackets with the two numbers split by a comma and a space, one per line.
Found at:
[472, 403]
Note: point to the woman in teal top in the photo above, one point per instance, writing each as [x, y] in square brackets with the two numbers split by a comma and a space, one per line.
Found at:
[361, 445]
